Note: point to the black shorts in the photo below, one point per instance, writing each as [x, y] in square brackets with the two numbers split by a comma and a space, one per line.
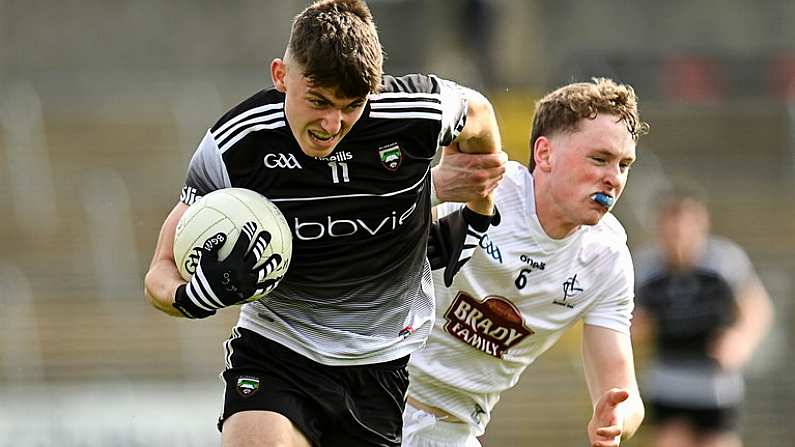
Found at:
[703, 420]
[331, 405]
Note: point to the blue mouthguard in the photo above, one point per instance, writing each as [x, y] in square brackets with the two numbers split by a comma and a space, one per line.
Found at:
[603, 199]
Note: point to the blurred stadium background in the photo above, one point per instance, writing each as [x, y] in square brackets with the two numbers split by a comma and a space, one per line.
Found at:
[103, 102]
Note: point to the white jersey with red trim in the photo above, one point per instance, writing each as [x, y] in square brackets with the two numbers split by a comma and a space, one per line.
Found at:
[514, 299]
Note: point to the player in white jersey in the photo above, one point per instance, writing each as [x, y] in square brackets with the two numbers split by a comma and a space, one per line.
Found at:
[557, 257]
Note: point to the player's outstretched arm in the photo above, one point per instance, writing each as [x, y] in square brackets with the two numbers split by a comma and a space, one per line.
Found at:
[610, 374]
[163, 278]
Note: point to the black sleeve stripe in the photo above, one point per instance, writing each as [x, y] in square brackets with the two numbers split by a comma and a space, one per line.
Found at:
[248, 113]
[403, 96]
[247, 131]
[436, 116]
[405, 105]
[244, 127]
[426, 106]
[408, 109]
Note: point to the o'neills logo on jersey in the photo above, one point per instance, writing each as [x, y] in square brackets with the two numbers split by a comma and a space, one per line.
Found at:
[492, 326]
[337, 156]
[283, 161]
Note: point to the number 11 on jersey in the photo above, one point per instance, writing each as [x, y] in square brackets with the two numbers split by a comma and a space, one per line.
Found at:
[336, 167]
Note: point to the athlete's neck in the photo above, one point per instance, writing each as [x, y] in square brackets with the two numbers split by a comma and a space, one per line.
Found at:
[550, 213]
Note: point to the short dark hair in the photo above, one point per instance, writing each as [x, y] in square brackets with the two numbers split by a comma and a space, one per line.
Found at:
[562, 109]
[336, 43]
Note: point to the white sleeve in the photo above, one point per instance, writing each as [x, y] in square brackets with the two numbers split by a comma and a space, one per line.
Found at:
[735, 265]
[614, 309]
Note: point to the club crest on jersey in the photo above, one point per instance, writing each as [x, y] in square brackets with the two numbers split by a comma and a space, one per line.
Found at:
[571, 288]
[247, 386]
[390, 156]
[492, 326]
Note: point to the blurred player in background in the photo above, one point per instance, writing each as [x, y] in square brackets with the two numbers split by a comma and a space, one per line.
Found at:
[557, 257]
[345, 153]
[700, 297]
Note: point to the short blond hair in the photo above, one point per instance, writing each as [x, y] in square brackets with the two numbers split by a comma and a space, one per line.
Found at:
[563, 109]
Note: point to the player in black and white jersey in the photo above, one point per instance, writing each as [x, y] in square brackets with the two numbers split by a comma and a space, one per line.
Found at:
[557, 257]
[345, 154]
[700, 296]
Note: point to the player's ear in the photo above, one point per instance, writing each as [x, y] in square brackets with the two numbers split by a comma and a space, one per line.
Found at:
[542, 153]
[278, 74]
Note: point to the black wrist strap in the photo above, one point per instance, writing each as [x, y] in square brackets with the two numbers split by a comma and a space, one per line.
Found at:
[454, 237]
[183, 304]
[480, 222]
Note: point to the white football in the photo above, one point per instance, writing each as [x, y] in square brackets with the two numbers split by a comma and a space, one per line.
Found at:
[226, 211]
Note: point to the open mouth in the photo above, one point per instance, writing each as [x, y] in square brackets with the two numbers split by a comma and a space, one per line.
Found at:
[321, 138]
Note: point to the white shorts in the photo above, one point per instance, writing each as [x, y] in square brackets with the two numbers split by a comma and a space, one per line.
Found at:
[423, 429]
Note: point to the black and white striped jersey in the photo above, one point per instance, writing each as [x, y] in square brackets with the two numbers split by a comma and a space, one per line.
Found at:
[358, 290]
[689, 308]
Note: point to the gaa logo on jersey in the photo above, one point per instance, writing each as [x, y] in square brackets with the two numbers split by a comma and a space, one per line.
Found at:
[284, 161]
[493, 325]
[390, 156]
[247, 386]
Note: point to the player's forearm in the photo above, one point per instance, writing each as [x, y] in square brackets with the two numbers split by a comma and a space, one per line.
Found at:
[481, 133]
[483, 205]
[163, 278]
[755, 316]
[160, 284]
